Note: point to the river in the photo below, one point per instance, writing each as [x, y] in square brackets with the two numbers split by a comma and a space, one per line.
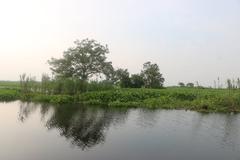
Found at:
[32, 131]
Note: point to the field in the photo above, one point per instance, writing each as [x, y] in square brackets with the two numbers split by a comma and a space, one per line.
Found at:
[9, 85]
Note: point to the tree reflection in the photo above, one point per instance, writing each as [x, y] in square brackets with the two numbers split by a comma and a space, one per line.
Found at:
[25, 110]
[84, 126]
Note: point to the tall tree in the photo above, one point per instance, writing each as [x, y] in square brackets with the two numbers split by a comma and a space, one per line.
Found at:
[152, 76]
[190, 84]
[181, 84]
[137, 81]
[85, 59]
[122, 76]
[109, 73]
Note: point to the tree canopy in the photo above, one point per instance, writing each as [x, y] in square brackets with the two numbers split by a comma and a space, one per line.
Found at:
[152, 76]
[137, 81]
[88, 59]
[122, 75]
[85, 59]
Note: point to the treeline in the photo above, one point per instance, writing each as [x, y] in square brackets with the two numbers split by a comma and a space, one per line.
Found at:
[181, 84]
[75, 71]
[191, 85]
[233, 84]
[73, 85]
[230, 84]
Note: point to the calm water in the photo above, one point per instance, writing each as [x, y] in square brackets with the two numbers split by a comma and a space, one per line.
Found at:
[42, 132]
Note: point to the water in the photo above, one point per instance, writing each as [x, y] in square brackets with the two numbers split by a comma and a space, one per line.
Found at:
[43, 132]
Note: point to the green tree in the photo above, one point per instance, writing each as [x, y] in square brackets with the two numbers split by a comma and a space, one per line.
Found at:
[238, 83]
[137, 81]
[190, 85]
[28, 84]
[83, 61]
[229, 84]
[152, 76]
[109, 72]
[181, 84]
[46, 84]
[122, 76]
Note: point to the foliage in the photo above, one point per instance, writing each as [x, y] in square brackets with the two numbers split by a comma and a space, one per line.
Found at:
[9, 94]
[28, 84]
[83, 61]
[56, 99]
[137, 81]
[181, 84]
[190, 84]
[122, 75]
[88, 58]
[46, 84]
[205, 100]
[152, 76]
[61, 86]
[99, 86]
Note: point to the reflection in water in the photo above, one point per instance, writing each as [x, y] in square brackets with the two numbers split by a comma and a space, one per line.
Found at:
[225, 128]
[25, 110]
[85, 127]
[231, 128]
[146, 134]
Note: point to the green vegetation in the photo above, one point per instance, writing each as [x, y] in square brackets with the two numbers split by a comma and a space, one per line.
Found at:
[72, 82]
[9, 85]
[9, 90]
[204, 100]
[87, 59]
[9, 94]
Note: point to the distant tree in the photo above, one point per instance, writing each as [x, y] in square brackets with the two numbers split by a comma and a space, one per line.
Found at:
[122, 76]
[137, 81]
[45, 84]
[190, 85]
[181, 84]
[24, 83]
[152, 76]
[85, 59]
[197, 84]
[234, 86]
[109, 73]
[215, 84]
[238, 83]
[229, 84]
[28, 84]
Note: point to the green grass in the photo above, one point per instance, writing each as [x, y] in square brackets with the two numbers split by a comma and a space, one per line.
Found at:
[9, 90]
[9, 94]
[204, 100]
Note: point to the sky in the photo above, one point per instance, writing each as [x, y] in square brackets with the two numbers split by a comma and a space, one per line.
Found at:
[190, 40]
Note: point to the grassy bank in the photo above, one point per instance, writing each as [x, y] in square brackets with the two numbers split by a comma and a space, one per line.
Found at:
[206, 100]
[9, 94]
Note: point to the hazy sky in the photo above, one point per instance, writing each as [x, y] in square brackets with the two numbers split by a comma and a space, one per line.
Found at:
[191, 40]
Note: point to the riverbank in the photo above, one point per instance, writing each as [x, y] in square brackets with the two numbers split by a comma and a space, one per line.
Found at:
[203, 100]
